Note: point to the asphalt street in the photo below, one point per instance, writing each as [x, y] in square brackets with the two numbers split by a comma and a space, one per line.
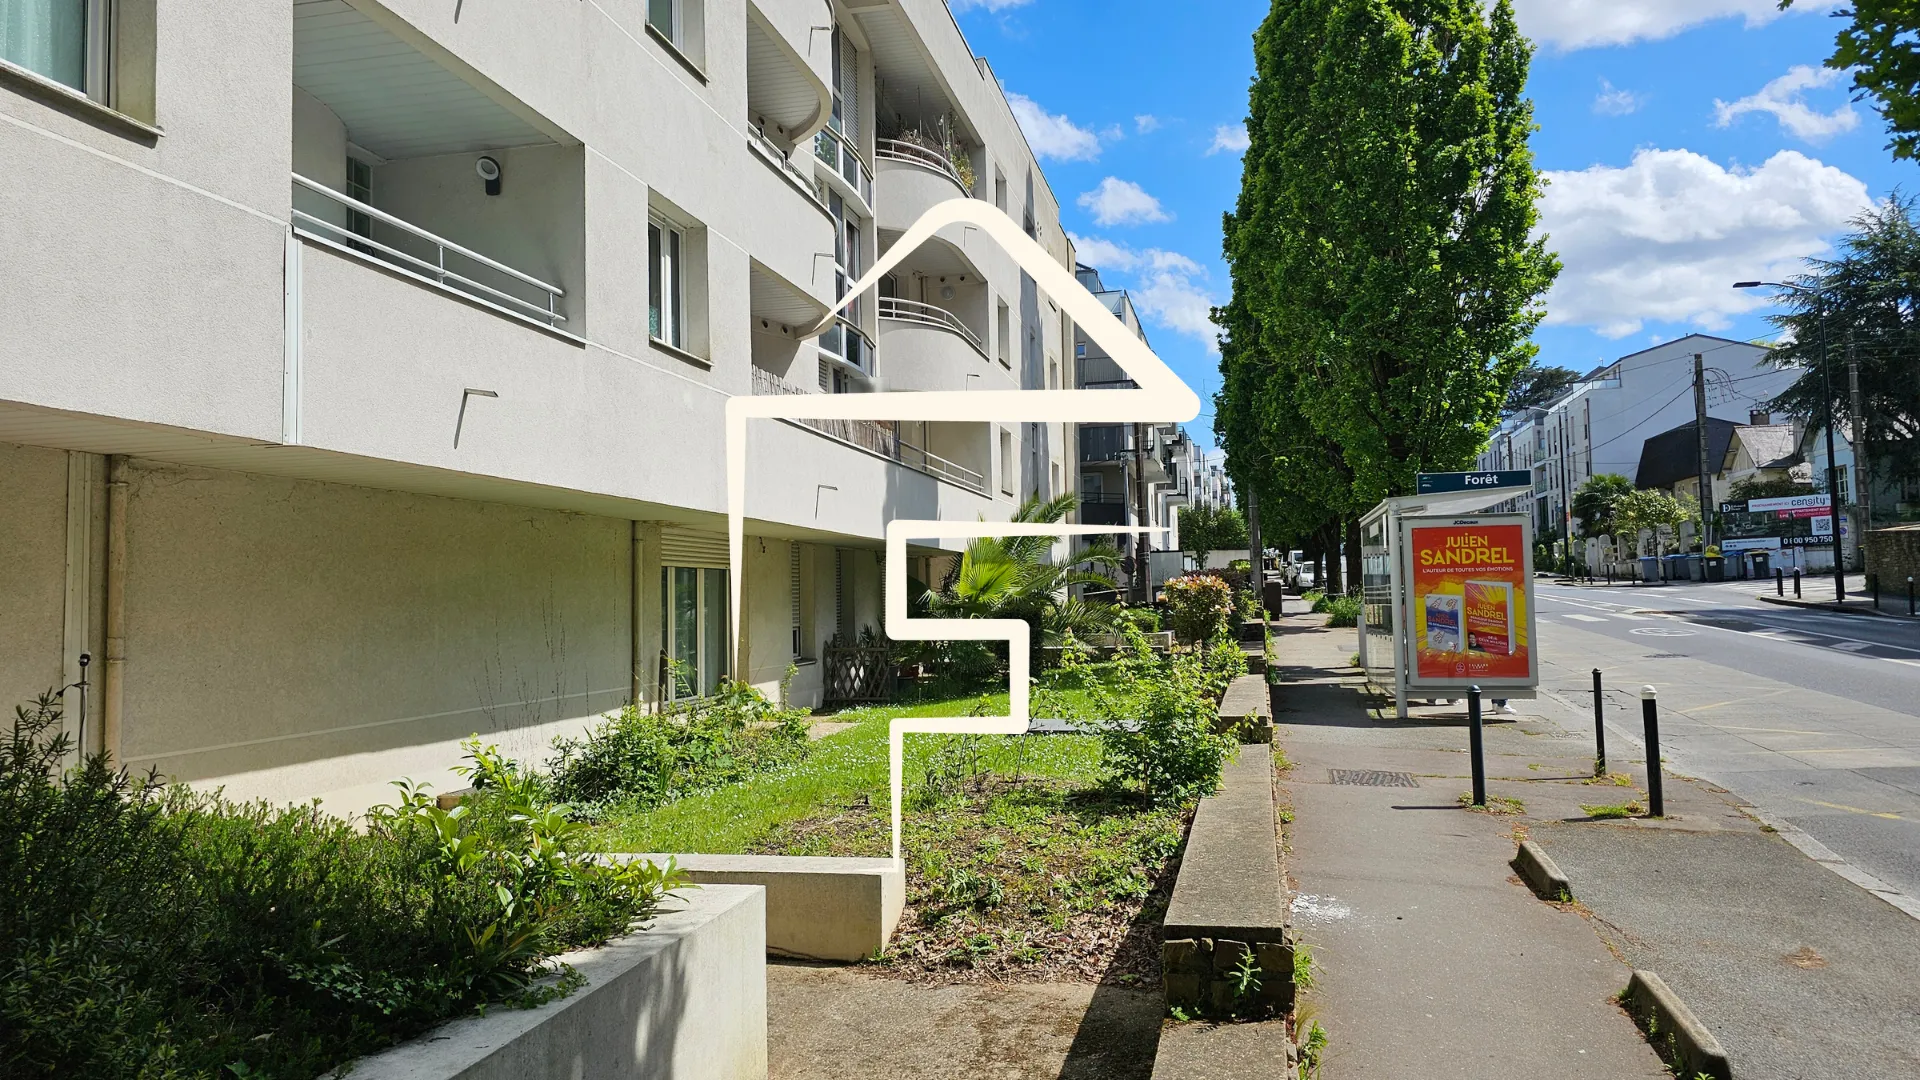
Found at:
[1813, 718]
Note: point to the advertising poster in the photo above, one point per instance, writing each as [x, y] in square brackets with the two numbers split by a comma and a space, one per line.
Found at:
[1469, 582]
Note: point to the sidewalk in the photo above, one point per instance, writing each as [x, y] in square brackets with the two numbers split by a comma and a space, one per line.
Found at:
[1816, 591]
[1432, 960]
[1430, 954]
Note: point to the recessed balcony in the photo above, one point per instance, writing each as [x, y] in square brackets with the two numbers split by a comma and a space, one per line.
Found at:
[911, 179]
[930, 348]
[883, 438]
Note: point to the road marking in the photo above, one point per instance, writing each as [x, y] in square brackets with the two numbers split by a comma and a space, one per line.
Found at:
[1853, 809]
[1852, 646]
[1897, 660]
[1662, 631]
[1586, 618]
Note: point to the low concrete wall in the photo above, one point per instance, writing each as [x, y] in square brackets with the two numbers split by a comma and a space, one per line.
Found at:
[683, 1000]
[1229, 899]
[1246, 709]
[818, 908]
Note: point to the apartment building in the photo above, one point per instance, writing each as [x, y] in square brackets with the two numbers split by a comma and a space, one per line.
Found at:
[363, 364]
[1598, 426]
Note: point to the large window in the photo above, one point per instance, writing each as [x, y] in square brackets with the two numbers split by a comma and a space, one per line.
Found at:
[666, 287]
[693, 632]
[64, 40]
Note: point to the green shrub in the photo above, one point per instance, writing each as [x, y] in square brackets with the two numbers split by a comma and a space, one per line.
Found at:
[1198, 606]
[1316, 600]
[1144, 619]
[1156, 730]
[642, 759]
[1342, 611]
[159, 934]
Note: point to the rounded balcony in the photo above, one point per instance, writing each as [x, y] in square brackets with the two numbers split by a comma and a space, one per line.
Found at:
[908, 180]
[925, 347]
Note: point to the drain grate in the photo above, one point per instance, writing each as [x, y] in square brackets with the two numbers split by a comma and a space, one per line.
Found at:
[1372, 778]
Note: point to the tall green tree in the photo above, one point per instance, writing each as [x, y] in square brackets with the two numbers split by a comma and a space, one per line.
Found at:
[1594, 501]
[1877, 44]
[1383, 240]
[1863, 308]
[1538, 385]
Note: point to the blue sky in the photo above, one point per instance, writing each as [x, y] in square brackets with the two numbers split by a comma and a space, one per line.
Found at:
[1688, 144]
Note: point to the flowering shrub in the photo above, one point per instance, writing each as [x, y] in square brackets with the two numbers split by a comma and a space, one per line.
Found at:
[1199, 606]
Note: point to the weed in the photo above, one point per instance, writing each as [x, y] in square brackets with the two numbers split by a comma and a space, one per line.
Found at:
[1617, 810]
[1245, 979]
[1496, 804]
[1286, 815]
[1180, 1015]
[1311, 1049]
[1302, 966]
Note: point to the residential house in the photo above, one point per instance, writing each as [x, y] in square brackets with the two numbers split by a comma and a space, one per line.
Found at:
[363, 362]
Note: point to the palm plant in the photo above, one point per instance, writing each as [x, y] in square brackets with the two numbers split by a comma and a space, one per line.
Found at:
[1015, 577]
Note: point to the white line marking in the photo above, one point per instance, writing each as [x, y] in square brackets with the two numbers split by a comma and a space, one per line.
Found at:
[1585, 618]
[1852, 646]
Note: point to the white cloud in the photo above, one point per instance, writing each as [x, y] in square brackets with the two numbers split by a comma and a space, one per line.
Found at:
[1119, 202]
[1112, 133]
[1053, 135]
[1580, 24]
[1665, 237]
[1614, 102]
[1167, 287]
[1146, 123]
[986, 5]
[1230, 138]
[1782, 97]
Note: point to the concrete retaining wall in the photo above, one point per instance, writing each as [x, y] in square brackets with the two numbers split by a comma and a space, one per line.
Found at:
[1229, 900]
[818, 908]
[1246, 709]
[684, 1000]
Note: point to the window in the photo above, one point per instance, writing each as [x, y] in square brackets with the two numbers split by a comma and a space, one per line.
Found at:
[360, 186]
[1053, 374]
[665, 287]
[693, 628]
[1006, 462]
[1000, 190]
[666, 17]
[67, 41]
[794, 598]
[1005, 343]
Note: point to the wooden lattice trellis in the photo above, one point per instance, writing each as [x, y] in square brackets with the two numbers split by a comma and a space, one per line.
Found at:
[856, 675]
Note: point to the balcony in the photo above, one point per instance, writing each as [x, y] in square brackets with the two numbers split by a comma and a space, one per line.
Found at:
[1106, 442]
[878, 437]
[846, 171]
[1103, 508]
[911, 180]
[352, 226]
[931, 348]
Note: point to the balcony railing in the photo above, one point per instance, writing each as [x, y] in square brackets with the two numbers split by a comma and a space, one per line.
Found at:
[839, 155]
[929, 315]
[1109, 384]
[876, 437]
[850, 345]
[925, 157]
[544, 307]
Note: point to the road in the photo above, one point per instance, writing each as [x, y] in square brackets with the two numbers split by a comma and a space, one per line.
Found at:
[1814, 718]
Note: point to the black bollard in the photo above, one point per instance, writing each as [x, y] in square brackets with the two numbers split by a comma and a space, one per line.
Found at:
[1475, 747]
[1909, 594]
[1875, 580]
[1650, 714]
[1599, 730]
[1796, 583]
[1779, 582]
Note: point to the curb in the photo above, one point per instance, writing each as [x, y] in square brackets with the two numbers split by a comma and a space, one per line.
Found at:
[1676, 1034]
[1816, 605]
[1539, 871]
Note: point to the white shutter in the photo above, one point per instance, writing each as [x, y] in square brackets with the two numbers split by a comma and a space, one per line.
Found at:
[793, 601]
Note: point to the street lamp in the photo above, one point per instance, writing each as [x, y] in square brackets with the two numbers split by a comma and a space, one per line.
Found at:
[1826, 394]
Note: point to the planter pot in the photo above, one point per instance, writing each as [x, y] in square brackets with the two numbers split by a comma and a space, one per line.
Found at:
[685, 999]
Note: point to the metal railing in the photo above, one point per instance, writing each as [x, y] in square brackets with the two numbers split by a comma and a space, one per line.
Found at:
[757, 136]
[434, 269]
[914, 154]
[1109, 384]
[929, 315]
[878, 437]
[839, 155]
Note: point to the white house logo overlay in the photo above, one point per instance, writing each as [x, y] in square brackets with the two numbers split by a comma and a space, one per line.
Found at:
[1161, 397]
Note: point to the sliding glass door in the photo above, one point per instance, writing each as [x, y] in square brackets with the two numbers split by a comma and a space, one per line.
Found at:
[693, 616]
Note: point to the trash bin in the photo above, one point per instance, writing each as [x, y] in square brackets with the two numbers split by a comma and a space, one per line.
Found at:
[1649, 568]
[1696, 568]
[1675, 567]
[1716, 567]
[1762, 563]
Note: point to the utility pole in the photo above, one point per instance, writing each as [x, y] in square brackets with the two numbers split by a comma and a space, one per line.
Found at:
[1258, 554]
[1706, 476]
[1833, 460]
[1862, 476]
[1142, 583]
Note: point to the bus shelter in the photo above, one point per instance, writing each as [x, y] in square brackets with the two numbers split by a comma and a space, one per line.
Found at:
[1447, 590]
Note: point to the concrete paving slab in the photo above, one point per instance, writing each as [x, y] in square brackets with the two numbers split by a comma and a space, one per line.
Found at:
[1223, 1052]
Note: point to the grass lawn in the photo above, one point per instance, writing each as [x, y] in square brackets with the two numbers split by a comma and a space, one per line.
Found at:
[1020, 864]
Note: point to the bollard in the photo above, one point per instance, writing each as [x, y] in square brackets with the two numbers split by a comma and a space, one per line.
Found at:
[1779, 582]
[1650, 714]
[1475, 746]
[1599, 730]
[1874, 580]
[1796, 583]
[1909, 594]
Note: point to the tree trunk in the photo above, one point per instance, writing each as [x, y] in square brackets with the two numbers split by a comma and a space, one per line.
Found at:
[1353, 553]
[1331, 582]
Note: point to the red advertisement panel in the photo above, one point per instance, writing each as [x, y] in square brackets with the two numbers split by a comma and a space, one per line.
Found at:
[1469, 590]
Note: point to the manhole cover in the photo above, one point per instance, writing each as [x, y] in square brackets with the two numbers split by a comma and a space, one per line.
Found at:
[1662, 631]
[1372, 778]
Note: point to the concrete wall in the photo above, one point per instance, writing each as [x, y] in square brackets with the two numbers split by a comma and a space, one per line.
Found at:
[287, 638]
[33, 560]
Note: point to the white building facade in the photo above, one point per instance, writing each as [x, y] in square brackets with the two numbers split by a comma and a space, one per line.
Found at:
[362, 365]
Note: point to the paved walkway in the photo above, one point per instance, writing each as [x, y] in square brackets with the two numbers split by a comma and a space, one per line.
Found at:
[1433, 961]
